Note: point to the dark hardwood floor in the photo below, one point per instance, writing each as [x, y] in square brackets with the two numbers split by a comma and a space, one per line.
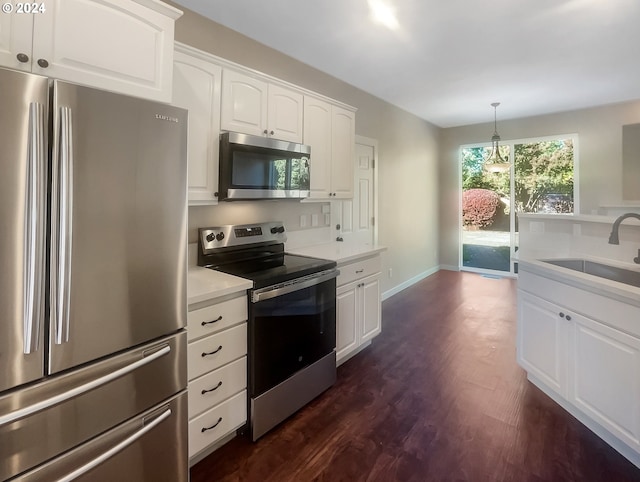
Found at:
[437, 397]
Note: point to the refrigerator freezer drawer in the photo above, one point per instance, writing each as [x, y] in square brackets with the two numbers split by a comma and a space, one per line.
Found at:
[214, 424]
[43, 420]
[152, 446]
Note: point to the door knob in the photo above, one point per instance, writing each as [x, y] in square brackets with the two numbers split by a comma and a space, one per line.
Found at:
[43, 63]
[23, 58]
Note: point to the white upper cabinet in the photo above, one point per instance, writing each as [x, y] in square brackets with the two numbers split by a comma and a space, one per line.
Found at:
[196, 87]
[124, 46]
[256, 107]
[15, 39]
[330, 131]
[284, 114]
[317, 134]
[244, 103]
[343, 126]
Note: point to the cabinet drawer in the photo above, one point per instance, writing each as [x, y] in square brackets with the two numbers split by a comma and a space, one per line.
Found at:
[358, 269]
[214, 318]
[617, 314]
[214, 351]
[217, 422]
[214, 387]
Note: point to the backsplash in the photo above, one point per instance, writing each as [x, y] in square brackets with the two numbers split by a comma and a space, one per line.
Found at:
[296, 215]
[554, 236]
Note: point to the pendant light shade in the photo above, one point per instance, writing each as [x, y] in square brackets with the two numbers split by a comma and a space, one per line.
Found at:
[495, 162]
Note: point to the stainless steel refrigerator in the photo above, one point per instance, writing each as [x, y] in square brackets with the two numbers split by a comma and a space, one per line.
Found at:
[92, 284]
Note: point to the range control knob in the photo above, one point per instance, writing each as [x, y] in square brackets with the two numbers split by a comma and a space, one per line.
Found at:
[220, 236]
[277, 229]
[210, 237]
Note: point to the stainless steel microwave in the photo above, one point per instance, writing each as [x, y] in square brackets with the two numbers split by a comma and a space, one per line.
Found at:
[253, 167]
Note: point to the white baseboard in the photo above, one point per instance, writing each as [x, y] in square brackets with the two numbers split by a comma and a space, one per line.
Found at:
[449, 267]
[402, 286]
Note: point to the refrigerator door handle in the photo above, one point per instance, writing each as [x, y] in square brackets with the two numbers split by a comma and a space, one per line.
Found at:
[61, 287]
[35, 229]
[116, 448]
[81, 389]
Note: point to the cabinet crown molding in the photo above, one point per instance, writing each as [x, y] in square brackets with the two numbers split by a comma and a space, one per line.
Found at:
[224, 63]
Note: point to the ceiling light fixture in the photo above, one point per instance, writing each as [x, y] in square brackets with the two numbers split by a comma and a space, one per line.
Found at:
[383, 13]
[495, 162]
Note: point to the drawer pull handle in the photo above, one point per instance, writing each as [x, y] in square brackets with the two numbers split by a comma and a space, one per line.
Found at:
[213, 389]
[204, 353]
[358, 271]
[204, 429]
[205, 323]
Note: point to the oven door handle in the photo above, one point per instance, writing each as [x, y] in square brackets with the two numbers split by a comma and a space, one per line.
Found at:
[299, 284]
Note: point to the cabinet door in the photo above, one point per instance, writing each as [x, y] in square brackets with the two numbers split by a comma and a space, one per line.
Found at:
[285, 114]
[15, 39]
[196, 87]
[317, 134]
[371, 312]
[342, 152]
[116, 45]
[244, 104]
[605, 365]
[542, 341]
[347, 329]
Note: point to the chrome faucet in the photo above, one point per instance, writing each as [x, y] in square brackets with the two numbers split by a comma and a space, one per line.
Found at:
[613, 237]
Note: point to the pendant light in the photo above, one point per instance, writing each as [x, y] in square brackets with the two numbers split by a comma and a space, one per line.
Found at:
[495, 163]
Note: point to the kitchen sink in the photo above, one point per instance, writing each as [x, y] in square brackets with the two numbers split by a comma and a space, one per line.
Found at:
[600, 270]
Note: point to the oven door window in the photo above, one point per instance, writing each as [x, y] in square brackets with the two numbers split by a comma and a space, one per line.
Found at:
[290, 332]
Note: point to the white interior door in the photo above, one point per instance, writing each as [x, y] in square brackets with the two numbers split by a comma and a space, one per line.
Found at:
[357, 215]
[363, 195]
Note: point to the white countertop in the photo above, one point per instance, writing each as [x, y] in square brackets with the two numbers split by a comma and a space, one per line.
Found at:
[341, 252]
[613, 289]
[204, 284]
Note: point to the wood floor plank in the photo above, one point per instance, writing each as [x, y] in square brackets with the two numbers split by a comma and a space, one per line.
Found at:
[438, 396]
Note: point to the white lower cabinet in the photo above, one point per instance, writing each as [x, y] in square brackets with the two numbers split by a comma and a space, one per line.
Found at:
[606, 378]
[591, 367]
[208, 428]
[217, 369]
[358, 310]
[543, 340]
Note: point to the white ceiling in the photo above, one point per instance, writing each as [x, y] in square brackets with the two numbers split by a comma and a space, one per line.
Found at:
[450, 59]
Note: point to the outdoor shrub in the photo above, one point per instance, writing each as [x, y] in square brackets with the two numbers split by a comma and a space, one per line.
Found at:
[479, 207]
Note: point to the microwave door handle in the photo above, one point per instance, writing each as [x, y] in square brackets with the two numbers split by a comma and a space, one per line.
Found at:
[62, 275]
[34, 229]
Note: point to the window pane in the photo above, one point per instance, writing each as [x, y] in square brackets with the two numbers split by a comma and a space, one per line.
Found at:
[544, 176]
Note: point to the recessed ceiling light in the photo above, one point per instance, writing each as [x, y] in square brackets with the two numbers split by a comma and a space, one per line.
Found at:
[383, 13]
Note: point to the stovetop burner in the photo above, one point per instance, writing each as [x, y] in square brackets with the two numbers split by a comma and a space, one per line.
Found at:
[255, 252]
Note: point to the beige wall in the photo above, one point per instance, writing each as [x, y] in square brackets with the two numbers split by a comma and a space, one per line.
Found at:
[407, 168]
[599, 166]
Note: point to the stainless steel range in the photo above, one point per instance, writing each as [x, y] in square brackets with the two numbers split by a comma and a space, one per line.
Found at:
[292, 317]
